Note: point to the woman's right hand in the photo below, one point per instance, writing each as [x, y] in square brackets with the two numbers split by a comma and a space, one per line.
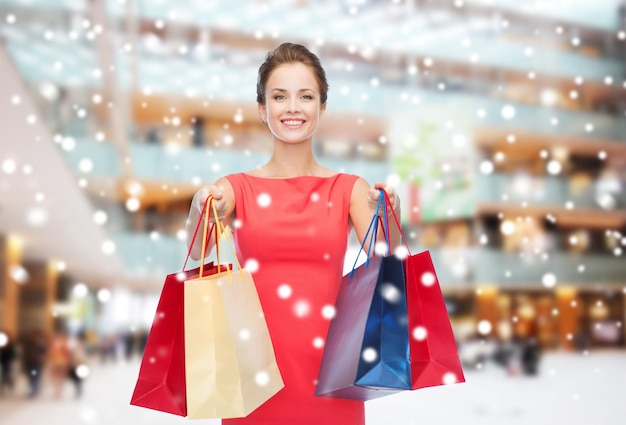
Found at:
[200, 197]
[224, 202]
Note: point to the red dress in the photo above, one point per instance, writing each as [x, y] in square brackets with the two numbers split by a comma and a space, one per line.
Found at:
[293, 233]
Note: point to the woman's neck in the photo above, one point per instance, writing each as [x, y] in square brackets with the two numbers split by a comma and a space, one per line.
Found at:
[292, 160]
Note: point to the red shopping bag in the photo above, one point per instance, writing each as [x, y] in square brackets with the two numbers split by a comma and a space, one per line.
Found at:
[161, 381]
[434, 355]
[433, 349]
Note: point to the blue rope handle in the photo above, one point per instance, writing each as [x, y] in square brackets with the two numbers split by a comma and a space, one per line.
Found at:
[373, 228]
[386, 223]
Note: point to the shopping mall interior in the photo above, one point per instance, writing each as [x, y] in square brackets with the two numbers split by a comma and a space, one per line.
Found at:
[501, 124]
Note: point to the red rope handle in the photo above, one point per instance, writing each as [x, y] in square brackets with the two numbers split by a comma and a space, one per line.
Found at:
[397, 222]
[195, 233]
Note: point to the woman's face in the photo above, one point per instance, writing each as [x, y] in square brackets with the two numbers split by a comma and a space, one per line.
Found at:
[292, 106]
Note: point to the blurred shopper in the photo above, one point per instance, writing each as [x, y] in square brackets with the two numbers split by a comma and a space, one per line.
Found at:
[108, 348]
[530, 356]
[78, 369]
[35, 348]
[8, 354]
[475, 351]
[504, 355]
[129, 339]
[293, 218]
[59, 362]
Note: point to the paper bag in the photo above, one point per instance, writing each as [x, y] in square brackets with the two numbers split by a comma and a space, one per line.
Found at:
[434, 352]
[231, 368]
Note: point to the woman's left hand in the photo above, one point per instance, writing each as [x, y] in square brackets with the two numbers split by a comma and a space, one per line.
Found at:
[374, 193]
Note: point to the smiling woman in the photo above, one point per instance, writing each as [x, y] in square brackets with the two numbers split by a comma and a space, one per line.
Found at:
[291, 220]
[293, 109]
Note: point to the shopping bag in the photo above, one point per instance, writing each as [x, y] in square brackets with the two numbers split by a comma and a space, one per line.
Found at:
[434, 352]
[381, 339]
[366, 354]
[230, 363]
[161, 381]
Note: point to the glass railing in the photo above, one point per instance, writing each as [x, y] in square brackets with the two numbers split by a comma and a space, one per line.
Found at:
[77, 5]
[548, 190]
[529, 119]
[190, 164]
[511, 268]
[488, 48]
[156, 162]
[62, 60]
[584, 12]
[237, 13]
[154, 71]
[409, 35]
[103, 157]
[147, 256]
[150, 257]
[71, 63]
[474, 266]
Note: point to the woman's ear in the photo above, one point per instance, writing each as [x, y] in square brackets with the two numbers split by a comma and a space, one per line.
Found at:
[322, 108]
[262, 113]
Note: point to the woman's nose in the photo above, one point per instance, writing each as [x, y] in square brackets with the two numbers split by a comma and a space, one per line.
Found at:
[293, 105]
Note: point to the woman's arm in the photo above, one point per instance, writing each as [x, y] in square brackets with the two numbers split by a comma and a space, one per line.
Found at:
[224, 199]
[363, 201]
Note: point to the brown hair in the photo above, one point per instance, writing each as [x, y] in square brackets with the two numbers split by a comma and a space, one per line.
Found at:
[290, 53]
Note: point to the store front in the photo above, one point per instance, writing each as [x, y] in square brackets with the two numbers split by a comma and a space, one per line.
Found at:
[563, 318]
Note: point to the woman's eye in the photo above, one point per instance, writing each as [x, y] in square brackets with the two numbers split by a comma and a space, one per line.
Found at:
[307, 97]
[279, 97]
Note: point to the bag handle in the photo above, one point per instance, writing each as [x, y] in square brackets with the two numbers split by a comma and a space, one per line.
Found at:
[397, 221]
[195, 233]
[205, 212]
[220, 230]
[383, 201]
[372, 231]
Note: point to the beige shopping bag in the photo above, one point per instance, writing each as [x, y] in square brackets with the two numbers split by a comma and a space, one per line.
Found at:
[230, 366]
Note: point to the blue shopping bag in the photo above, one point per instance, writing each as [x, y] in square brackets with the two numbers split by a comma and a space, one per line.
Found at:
[385, 360]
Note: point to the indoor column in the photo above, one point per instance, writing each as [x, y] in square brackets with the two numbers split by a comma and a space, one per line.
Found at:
[10, 267]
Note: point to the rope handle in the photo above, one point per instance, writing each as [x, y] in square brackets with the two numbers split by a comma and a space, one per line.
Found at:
[397, 222]
[372, 231]
[195, 234]
[220, 230]
[383, 201]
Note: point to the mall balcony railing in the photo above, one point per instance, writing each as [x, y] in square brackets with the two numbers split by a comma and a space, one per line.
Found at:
[72, 63]
[155, 256]
[386, 29]
[592, 14]
[190, 164]
[154, 162]
[547, 190]
[558, 267]
[600, 15]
